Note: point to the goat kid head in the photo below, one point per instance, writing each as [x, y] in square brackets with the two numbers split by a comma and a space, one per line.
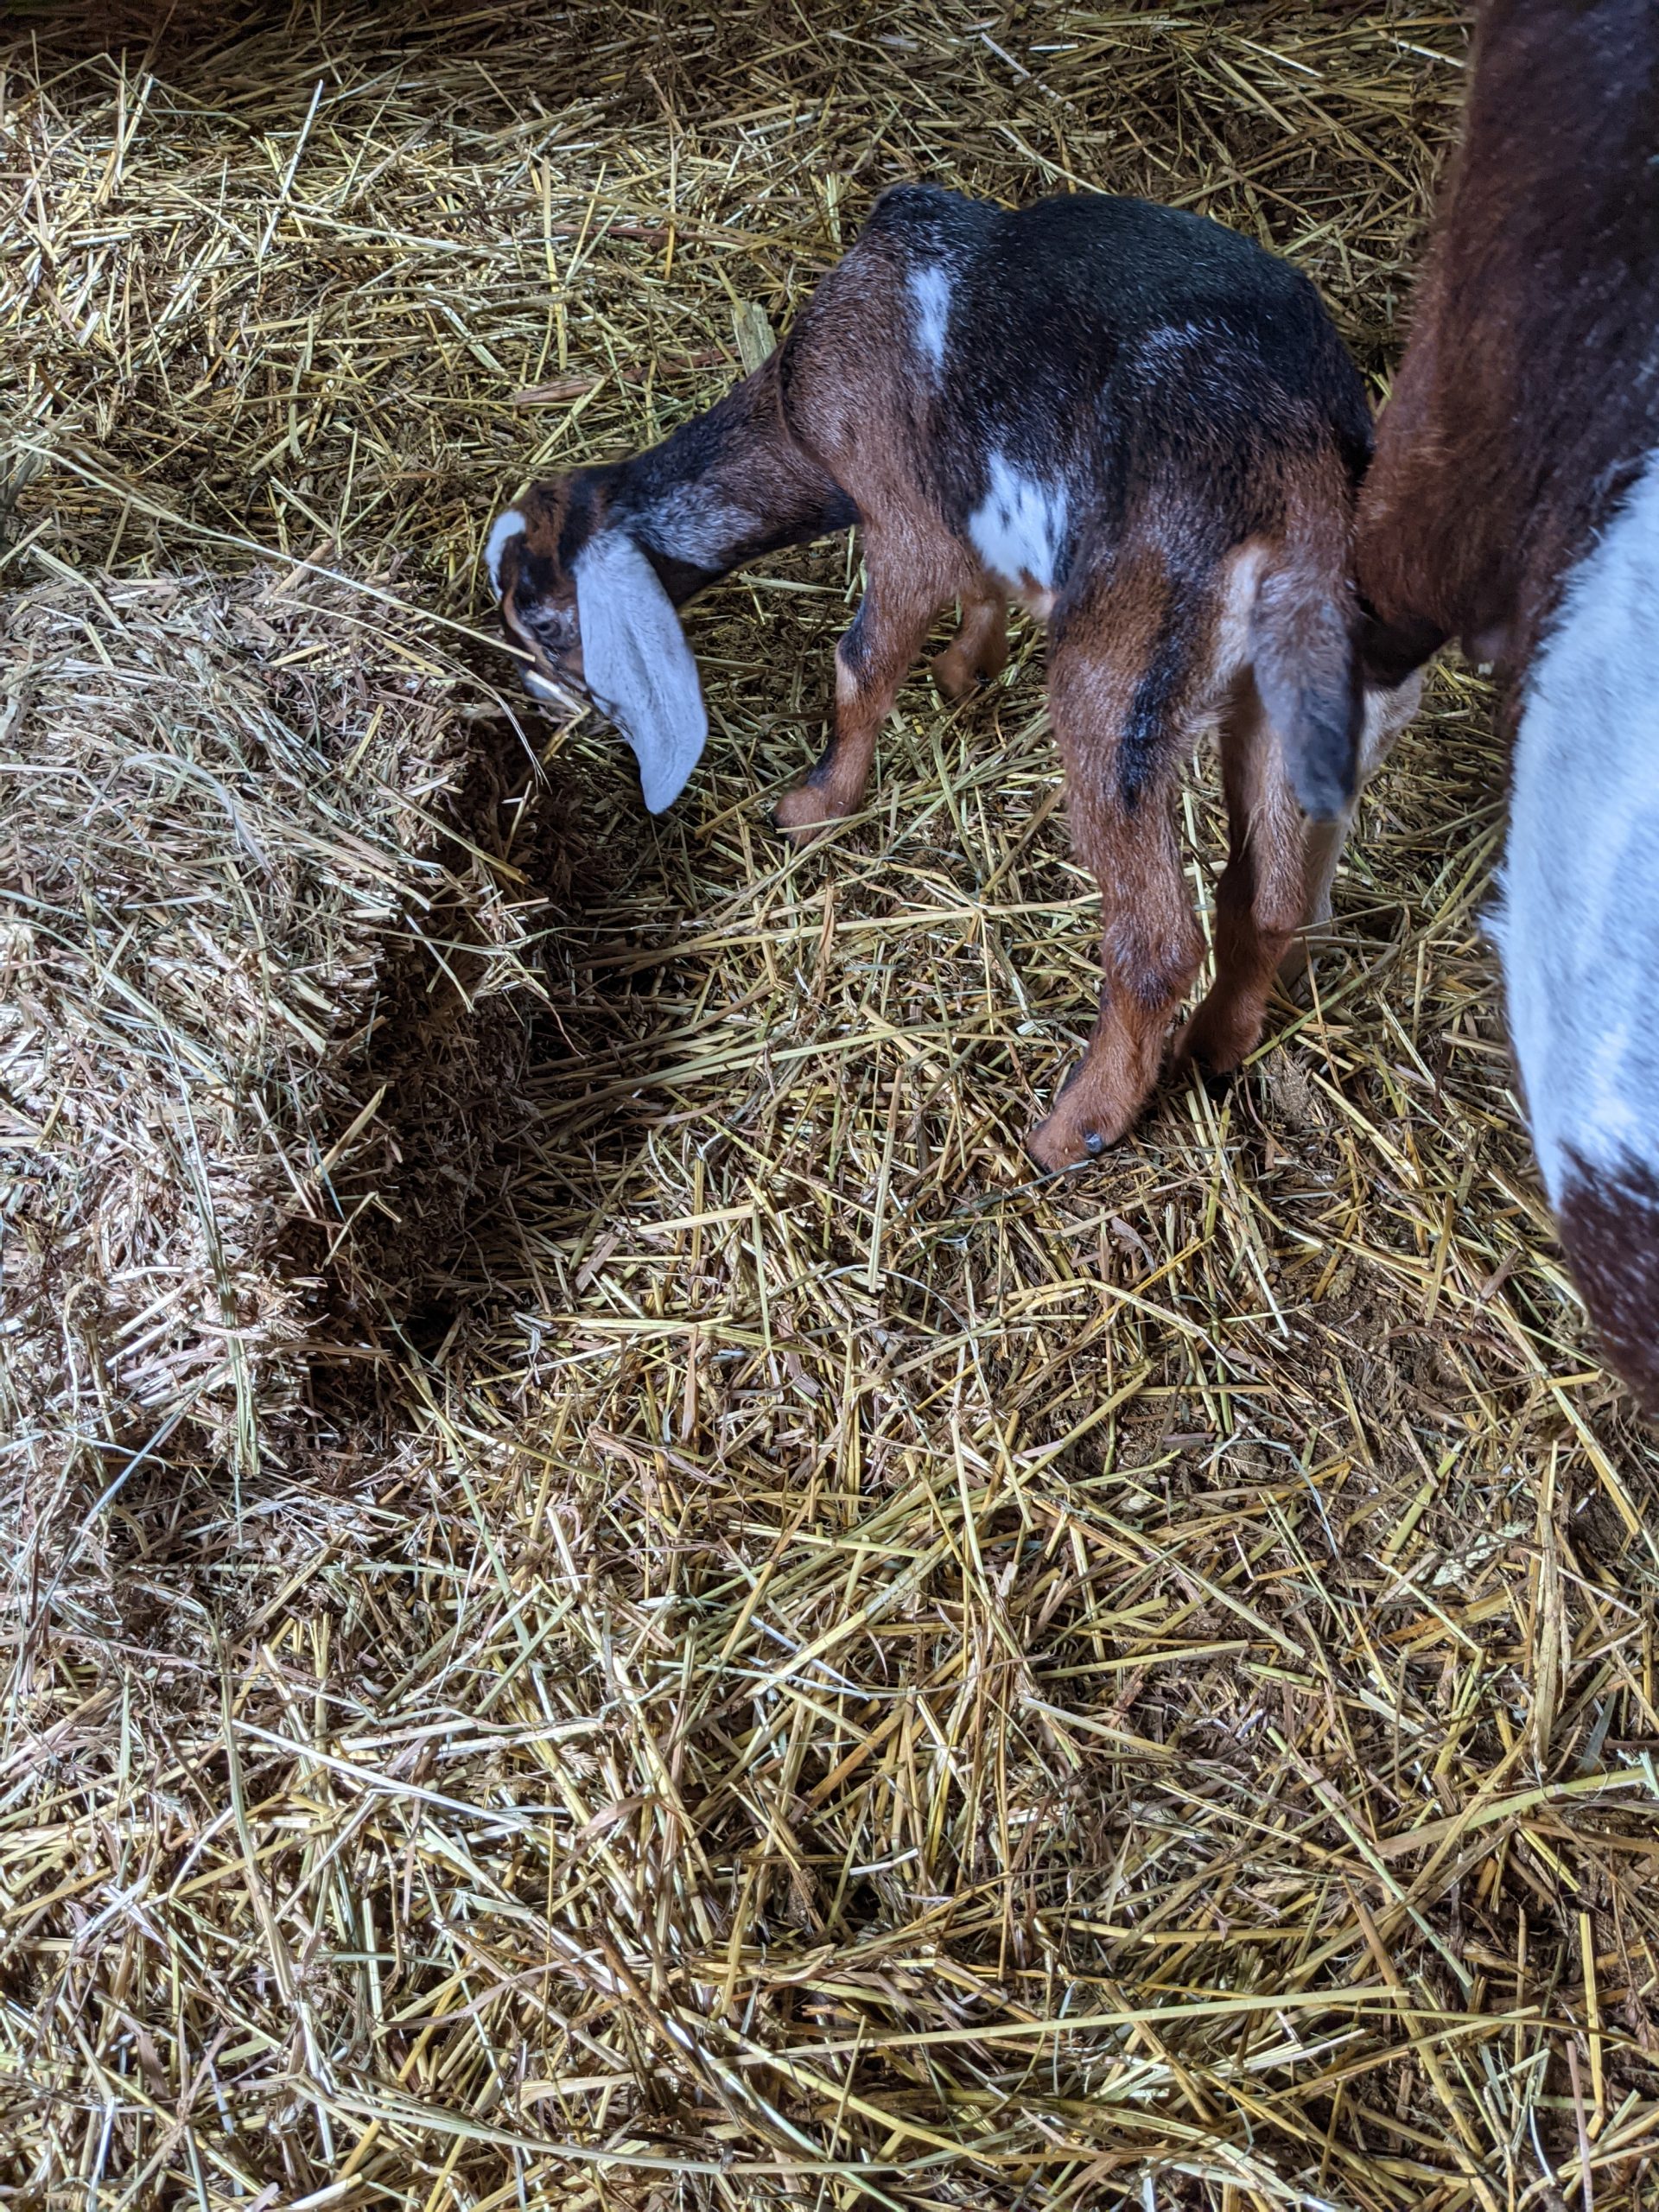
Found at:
[581, 598]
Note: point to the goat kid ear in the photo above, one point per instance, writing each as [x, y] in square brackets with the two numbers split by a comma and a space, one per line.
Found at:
[507, 526]
[636, 664]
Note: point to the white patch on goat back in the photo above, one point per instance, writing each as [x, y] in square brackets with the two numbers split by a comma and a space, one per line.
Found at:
[1578, 929]
[930, 293]
[507, 526]
[1018, 529]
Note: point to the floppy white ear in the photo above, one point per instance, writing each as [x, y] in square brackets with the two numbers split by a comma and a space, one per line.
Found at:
[507, 526]
[638, 665]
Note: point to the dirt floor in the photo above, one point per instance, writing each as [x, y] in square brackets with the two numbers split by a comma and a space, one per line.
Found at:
[802, 1665]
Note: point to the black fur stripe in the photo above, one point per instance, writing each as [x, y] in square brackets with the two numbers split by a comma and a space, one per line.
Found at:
[1148, 725]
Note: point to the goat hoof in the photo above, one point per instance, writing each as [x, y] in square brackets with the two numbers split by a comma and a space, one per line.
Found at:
[955, 681]
[805, 814]
[1211, 1050]
[1061, 1141]
[1216, 1076]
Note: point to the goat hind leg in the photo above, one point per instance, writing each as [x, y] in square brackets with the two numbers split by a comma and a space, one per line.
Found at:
[978, 652]
[1386, 712]
[1123, 828]
[1261, 897]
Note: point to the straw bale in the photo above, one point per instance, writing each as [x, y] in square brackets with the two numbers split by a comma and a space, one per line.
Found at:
[236, 929]
[828, 1672]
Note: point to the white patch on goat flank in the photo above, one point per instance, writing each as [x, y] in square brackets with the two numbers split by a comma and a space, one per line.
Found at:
[1579, 928]
[1018, 527]
[636, 664]
[693, 523]
[507, 526]
[930, 293]
[1240, 581]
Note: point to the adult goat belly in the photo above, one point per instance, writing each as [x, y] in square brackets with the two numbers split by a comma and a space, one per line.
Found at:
[1579, 928]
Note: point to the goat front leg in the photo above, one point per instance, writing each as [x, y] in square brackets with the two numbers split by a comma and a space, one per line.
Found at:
[1118, 778]
[979, 651]
[871, 659]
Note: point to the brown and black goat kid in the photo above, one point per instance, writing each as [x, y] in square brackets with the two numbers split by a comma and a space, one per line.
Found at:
[1139, 425]
[1513, 504]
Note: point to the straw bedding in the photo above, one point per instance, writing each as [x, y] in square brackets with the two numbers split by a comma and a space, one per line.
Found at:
[794, 1664]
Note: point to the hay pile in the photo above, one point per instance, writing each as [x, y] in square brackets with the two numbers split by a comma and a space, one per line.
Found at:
[826, 1673]
[238, 927]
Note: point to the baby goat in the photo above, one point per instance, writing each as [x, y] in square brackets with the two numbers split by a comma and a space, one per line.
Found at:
[1139, 425]
[1515, 504]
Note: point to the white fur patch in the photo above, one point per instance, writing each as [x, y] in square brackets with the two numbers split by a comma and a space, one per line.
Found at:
[507, 526]
[693, 523]
[1019, 528]
[1387, 713]
[1177, 338]
[1578, 930]
[930, 293]
[1235, 612]
[636, 664]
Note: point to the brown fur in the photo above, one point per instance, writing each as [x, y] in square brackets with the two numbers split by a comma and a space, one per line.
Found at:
[1606, 1226]
[854, 402]
[1524, 406]
[1229, 554]
[979, 652]
[1150, 946]
[1522, 403]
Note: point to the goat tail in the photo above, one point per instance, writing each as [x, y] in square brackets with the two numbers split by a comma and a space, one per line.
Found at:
[1305, 646]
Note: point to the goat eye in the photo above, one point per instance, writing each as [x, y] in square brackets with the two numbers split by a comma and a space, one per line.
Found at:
[554, 627]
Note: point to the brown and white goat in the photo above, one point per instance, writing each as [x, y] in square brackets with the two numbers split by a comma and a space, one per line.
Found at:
[1514, 504]
[1140, 425]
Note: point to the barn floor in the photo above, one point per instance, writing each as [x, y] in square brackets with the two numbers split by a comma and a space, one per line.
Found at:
[811, 1668]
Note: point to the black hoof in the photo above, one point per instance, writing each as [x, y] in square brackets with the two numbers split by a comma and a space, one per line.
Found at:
[1217, 1082]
